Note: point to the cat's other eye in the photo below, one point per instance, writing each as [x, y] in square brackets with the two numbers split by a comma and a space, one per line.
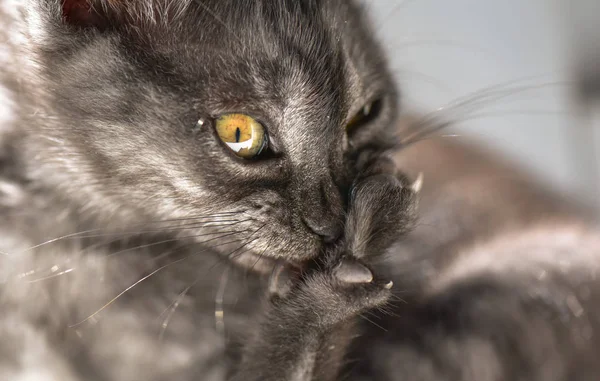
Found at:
[242, 134]
[366, 114]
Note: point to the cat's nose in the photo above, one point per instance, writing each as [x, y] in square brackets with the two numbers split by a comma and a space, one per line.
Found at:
[329, 231]
[320, 206]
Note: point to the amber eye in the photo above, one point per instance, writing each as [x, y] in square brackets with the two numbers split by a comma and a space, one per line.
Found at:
[242, 134]
[366, 114]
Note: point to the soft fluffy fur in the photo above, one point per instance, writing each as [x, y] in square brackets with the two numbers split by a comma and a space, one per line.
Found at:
[121, 220]
[106, 146]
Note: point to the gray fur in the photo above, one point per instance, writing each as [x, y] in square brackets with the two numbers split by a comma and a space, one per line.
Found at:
[134, 246]
[119, 219]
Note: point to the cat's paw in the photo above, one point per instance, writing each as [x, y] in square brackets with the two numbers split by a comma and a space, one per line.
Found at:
[382, 208]
[330, 294]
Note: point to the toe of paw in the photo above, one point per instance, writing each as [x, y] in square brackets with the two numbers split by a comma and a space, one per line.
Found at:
[352, 272]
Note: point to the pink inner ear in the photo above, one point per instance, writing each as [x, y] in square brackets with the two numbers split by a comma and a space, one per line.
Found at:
[80, 13]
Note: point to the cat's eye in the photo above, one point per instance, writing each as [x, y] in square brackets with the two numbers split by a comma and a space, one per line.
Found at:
[365, 115]
[242, 134]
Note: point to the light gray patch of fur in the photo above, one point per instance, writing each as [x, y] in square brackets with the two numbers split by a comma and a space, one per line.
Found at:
[11, 193]
[574, 249]
[8, 34]
[123, 337]
[306, 365]
[34, 357]
[6, 107]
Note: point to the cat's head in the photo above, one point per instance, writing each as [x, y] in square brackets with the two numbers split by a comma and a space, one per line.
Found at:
[240, 121]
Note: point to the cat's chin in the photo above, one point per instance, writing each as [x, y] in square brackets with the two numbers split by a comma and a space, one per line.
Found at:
[255, 262]
[263, 264]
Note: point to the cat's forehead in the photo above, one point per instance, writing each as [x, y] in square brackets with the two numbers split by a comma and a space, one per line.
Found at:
[307, 27]
[288, 44]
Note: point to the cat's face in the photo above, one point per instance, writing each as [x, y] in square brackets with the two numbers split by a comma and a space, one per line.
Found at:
[129, 85]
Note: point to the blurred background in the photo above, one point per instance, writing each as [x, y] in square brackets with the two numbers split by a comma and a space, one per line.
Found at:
[442, 50]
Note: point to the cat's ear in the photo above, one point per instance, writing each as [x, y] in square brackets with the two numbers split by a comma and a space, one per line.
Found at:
[86, 13]
[104, 14]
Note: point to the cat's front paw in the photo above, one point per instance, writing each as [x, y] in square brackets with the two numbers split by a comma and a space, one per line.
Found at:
[382, 207]
[331, 294]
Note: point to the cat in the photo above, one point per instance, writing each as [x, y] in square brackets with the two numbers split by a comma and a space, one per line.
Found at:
[140, 239]
[129, 194]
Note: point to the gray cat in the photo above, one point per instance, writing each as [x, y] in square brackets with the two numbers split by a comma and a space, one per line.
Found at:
[204, 190]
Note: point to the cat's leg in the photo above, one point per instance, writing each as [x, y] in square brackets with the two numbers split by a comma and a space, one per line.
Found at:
[310, 319]
[306, 329]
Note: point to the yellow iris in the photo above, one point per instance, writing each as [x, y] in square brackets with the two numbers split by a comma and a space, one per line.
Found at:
[242, 134]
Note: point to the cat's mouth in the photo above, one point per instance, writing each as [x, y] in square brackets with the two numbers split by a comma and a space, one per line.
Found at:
[261, 247]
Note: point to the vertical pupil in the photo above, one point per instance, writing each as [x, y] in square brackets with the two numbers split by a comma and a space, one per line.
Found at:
[237, 134]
